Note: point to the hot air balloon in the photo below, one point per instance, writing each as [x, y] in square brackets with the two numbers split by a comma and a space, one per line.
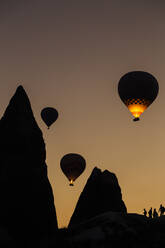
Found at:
[72, 165]
[49, 116]
[138, 89]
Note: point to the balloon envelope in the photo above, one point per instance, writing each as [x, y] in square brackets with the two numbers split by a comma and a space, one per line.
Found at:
[49, 115]
[138, 89]
[72, 165]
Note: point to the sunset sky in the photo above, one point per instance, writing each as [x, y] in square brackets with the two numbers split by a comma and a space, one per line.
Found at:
[70, 55]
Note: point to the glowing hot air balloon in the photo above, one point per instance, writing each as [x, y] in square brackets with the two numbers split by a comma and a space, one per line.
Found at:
[72, 165]
[49, 116]
[138, 89]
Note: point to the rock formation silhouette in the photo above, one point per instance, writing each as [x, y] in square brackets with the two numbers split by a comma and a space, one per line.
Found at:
[101, 194]
[27, 208]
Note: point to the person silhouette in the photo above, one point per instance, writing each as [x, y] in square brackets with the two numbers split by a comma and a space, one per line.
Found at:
[150, 213]
[155, 213]
[161, 210]
[144, 212]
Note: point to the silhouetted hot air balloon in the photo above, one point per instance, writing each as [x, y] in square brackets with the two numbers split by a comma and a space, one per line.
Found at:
[72, 166]
[138, 89]
[49, 116]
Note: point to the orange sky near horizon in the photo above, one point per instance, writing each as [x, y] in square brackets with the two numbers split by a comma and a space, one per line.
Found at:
[70, 55]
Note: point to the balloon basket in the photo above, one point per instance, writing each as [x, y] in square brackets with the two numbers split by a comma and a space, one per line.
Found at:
[136, 119]
[71, 184]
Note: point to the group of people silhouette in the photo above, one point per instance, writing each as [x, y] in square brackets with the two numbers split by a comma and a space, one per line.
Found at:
[154, 213]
